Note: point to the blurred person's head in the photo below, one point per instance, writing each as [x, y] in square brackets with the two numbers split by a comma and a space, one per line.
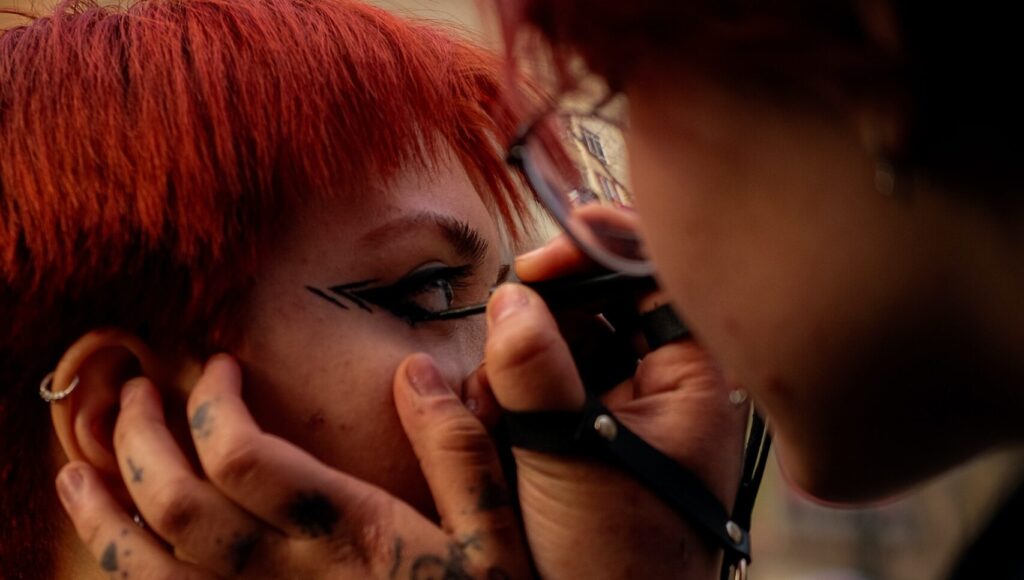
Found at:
[175, 174]
[831, 192]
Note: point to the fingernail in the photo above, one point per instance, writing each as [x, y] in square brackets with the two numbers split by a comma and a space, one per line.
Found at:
[531, 255]
[69, 485]
[508, 299]
[129, 391]
[214, 361]
[424, 377]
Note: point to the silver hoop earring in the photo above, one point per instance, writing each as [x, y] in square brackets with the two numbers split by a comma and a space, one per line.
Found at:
[50, 396]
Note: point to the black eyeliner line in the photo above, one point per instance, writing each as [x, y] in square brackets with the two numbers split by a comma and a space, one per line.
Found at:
[453, 314]
[350, 294]
[383, 294]
[327, 297]
[348, 291]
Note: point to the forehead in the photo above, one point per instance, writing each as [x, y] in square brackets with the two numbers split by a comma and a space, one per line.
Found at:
[359, 220]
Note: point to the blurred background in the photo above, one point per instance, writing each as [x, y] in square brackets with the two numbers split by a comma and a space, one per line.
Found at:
[916, 537]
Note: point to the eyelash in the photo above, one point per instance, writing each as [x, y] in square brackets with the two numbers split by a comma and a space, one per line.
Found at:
[399, 298]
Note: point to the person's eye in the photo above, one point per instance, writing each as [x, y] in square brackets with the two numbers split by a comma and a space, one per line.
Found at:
[428, 290]
[435, 296]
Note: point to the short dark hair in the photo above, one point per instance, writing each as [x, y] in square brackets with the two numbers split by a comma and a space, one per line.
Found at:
[954, 68]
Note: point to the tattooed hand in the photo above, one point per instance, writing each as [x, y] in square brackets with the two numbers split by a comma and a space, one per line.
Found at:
[270, 510]
[587, 520]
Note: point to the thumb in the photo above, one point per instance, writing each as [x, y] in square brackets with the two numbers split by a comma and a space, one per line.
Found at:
[529, 365]
[460, 465]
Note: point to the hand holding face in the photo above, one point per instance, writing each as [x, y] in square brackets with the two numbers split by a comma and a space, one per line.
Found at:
[270, 510]
[584, 519]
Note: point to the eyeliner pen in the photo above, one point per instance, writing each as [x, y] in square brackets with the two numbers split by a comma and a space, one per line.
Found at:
[562, 292]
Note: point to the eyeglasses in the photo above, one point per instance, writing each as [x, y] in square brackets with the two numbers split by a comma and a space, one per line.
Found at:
[574, 158]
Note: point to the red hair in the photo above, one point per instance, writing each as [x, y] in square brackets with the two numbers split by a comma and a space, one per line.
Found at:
[149, 151]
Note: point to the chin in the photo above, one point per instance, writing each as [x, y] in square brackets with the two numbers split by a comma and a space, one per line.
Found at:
[843, 483]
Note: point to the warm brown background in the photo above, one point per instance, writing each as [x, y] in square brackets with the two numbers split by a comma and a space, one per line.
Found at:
[909, 539]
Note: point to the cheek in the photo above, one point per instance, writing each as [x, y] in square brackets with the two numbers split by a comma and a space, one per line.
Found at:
[689, 227]
[334, 400]
[458, 349]
[322, 396]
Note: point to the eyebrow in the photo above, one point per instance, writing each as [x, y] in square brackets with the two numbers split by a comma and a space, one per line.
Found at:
[467, 242]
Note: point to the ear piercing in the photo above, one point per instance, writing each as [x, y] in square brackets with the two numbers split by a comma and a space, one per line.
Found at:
[50, 396]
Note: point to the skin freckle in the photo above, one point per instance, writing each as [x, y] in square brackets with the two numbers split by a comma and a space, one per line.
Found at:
[316, 421]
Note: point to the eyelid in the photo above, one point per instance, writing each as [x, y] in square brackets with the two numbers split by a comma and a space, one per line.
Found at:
[394, 298]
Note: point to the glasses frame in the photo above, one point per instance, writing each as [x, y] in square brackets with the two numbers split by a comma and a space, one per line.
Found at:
[518, 156]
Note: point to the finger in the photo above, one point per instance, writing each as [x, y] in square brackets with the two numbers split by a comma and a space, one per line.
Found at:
[679, 364]
[122, 549]
[290, 489]
[529, 365]
[189, 513]
[559, 257]
[603, 357]
[461, 466]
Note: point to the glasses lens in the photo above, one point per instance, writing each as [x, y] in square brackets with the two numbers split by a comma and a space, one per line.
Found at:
[578, 164]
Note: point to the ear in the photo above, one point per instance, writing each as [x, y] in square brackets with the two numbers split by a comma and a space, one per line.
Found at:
[881, 116]
[102, 361]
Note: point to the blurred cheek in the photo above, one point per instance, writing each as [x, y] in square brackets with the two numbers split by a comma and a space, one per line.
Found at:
[457, 347]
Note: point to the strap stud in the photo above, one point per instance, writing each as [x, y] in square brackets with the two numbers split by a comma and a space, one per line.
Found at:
[735, 532]
[606, 427]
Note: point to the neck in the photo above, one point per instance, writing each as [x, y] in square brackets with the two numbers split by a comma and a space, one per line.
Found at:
[986, 255]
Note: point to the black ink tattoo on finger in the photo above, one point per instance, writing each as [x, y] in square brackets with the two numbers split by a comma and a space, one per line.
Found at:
[492, 494]
[201, 421]
[397, 557]
[474, 541]
[108, 561]
[136, 471]
[313, 514]
[434, 567]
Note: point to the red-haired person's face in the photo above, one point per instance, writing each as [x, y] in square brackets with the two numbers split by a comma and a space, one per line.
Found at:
[320, 374]
[820, 295]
